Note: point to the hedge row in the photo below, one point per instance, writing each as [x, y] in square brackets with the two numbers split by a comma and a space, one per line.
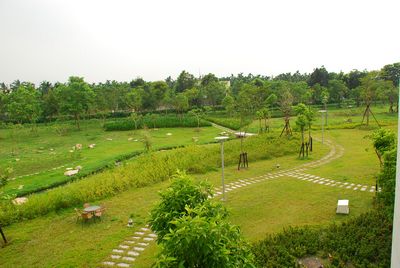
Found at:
[155, 121]
[145, 170]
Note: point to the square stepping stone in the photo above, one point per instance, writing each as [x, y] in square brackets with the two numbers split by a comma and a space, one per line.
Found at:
[118, 250]
[348, 187]
[122, 264]
[133, 253]
[144, 229]
[355, 188]
[138, 248]
[115, 256]
[148, 239]
[130, 242]
[128, 259]
[110, 263]
[372, 190]
[143, 244]
[328, 184]
[321, 182]
[363, 189]
[123, 246]
[152, 235]
[135, 237]
[139, 233]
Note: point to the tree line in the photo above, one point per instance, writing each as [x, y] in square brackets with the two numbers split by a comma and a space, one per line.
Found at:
[22, 102]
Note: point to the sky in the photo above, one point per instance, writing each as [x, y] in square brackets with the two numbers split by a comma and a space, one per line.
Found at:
[153, 39]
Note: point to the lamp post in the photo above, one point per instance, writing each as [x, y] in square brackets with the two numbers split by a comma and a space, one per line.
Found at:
[322, 123]
[221, 139]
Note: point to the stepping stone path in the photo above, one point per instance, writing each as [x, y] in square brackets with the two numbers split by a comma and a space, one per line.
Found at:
[131, 248]
[127, 252]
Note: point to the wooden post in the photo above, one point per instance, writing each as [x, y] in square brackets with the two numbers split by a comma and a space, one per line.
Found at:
[2, 234]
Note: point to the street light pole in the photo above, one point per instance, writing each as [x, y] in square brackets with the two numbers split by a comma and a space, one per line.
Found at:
[221, 139]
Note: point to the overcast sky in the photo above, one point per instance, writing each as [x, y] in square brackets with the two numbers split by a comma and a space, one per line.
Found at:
[116, 39]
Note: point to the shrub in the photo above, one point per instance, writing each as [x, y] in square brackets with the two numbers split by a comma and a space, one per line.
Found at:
[364, 241]
[193, 231]
[155, 121]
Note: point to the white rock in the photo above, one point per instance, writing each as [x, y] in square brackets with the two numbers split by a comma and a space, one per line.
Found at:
[109, 139]
[20, 200]
[91, 146]
[71, 172]
[20, 187]
[78, 146]
[169, 134]
[17, 159]
[129, 139]
[78, 167]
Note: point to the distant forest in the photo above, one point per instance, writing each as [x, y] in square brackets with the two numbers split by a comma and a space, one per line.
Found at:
[25, 102]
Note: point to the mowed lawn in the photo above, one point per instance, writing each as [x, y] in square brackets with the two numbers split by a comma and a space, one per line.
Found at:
[56, 240]
[45, 156]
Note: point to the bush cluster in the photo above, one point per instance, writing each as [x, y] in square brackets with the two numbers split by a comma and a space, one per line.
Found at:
[364, 241]
[145, 170]
[154, 121]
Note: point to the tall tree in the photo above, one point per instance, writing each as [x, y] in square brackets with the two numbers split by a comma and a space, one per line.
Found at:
[184, 81]
[23, 104]
[285, 105]
[75, 98]
[319, 76]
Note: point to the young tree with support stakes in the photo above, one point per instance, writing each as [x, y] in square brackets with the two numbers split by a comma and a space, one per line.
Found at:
[310, 117]
[301, 122]
[368, 90]
[285, 104]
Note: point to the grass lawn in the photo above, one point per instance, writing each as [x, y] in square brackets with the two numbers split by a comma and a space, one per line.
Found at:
[38, 154]
[57, 240]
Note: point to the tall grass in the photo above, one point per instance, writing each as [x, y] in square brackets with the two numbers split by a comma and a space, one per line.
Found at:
[145, 170]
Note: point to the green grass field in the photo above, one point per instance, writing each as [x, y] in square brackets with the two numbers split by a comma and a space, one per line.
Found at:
[42, 157]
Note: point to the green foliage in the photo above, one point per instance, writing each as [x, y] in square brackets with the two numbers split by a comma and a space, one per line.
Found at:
[167, 121]
[387, 181]
[383, 140]
[193, 231]
[75, 98]
[364, 241]
[176, 201]
[23, 104]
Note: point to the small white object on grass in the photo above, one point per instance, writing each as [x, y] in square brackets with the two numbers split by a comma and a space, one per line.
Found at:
[169, 134]
[20, 200]
[342, 207]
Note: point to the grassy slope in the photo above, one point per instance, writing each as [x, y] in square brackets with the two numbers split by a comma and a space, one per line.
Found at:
[33, 159]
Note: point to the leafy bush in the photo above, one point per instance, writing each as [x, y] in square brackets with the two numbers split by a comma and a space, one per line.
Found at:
[364, 241]
[193, 231]
[155, 121]
[146, 170]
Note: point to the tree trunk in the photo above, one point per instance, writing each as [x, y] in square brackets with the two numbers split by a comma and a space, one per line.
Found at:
[77, 121]
[326, 115]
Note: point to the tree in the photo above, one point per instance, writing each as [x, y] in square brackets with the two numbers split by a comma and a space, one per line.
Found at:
[213, 93]
[184, 81]
[368, 93]
[50, 104]
[134, 99]
[181, 103]
[135, 117]
[198, 113]
[391, 72]
[301, 122]
[324, 100]
[387, 92]
[23, 105]
[319, 76]
[310, 117]
[383, 141]
[208, 79]
[337, 90]
[229, 104]
[285, 105]
[75, 98]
